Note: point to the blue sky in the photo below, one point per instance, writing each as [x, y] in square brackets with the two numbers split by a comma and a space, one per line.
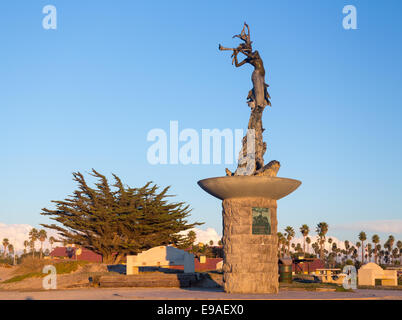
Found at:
[86, 95]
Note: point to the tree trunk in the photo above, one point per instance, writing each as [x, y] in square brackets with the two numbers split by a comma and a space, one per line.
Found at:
[118, 258]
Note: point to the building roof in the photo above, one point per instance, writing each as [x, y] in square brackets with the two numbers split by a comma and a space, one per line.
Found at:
[69, 252]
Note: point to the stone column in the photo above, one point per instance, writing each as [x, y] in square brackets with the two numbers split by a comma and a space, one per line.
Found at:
[250, 261]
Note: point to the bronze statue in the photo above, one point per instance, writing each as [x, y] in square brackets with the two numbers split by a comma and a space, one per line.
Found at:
[258, 98]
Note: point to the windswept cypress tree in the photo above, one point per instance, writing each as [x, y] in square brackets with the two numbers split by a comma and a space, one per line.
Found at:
[116, 220]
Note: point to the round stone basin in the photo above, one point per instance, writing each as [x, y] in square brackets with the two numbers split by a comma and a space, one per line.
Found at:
[249, 186]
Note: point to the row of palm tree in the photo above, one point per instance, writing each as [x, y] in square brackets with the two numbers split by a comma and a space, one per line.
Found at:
[34, 236]
[385, 253]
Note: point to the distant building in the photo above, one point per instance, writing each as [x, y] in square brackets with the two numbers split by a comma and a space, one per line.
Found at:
[69, 252]
[307, 265]
[203, 264]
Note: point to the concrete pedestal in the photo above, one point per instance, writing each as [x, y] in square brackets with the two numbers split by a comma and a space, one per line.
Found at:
[250, 261]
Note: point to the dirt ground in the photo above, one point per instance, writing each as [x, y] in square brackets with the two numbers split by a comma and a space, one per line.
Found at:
[75, 286]
[192, 294]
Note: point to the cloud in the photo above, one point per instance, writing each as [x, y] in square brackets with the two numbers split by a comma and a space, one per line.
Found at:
[207, 235]
[385, 226]
[18, 233]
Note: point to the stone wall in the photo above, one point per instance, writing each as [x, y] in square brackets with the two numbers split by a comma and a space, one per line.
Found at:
[250, 262]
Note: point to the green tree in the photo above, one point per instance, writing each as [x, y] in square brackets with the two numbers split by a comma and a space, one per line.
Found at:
[322, 229]
[190, 240]
[116, 220]
[362, 238]
[304, 230]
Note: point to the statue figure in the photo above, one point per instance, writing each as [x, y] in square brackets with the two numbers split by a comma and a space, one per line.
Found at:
[251, 159]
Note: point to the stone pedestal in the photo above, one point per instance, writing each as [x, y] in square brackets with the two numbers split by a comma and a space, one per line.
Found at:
[250, 249]
[250, 261]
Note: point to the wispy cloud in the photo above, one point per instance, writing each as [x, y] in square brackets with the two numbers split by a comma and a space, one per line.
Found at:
[386, 226]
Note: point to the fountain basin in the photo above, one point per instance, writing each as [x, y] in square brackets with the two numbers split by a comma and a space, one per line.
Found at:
[249, 186]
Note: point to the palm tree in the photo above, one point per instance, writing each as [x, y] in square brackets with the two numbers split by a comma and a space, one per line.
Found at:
[280, 242]
[378, 249]
[304, 229]
[52, 240]
[26, 244]
[369, 251]
[334, 250]
[32, 247]
[308, 241]
[376, 240]
[391, 241]
[42, 235]
[347, 247]
[33, 236]
[381, 254]
[10, 249]
[358, 245]
[354, 253]
[6, 242]
[362, 238]
[394, 254]
[289, 233]
[322, 229]
[399, 246]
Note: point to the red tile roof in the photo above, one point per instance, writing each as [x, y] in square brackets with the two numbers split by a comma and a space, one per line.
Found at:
[309, 266]
[86, 255]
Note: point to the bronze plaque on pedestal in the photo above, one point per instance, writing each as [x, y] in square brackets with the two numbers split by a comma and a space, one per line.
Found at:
[261, 221]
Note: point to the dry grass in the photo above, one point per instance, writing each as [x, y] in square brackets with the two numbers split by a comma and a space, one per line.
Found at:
[31, 268]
